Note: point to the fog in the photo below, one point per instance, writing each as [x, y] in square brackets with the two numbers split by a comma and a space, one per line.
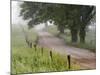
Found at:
[16, 19]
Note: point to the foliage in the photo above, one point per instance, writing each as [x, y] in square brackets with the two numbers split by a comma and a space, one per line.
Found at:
[74, 17]
[27, 60]
[90, 43]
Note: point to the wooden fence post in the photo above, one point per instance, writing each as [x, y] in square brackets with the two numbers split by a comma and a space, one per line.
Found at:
[42, 50]
[51, 54]
[35, 46]
[69, 61]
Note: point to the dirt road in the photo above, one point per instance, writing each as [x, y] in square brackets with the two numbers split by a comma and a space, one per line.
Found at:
[83, 57]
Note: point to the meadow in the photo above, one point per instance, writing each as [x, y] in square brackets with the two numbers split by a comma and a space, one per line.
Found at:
[36, 59]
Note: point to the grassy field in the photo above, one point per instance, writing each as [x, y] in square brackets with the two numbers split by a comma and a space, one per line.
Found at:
[90, 38]
[32, 60]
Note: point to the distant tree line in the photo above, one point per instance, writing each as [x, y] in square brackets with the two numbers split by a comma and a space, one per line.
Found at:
[73, 17]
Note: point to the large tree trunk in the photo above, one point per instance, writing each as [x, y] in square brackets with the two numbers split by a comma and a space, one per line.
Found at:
[82, 34]
[74, 37]
[61, 28]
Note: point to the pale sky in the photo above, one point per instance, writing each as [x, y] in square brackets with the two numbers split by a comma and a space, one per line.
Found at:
[15, 13]
[16, 20]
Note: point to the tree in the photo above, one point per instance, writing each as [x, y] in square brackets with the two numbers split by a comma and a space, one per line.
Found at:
[87, 13]
[61, 14]
[75, 17]
[29, 11]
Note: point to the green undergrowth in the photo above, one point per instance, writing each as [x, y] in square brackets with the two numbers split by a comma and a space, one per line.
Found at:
[33, 60]
[29, 60]
[90, 40]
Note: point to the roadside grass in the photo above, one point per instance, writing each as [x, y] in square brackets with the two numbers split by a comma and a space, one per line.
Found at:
[28, 60]
[90, 38]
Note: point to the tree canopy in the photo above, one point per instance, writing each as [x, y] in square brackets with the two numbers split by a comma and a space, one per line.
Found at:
[74, 17]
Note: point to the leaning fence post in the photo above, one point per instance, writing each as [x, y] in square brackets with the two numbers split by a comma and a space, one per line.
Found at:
[51, 54]
[42, 50]
[69, 61]
[35, 46]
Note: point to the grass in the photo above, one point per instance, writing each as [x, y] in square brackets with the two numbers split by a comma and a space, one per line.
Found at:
[29, 60]
[90, 38]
